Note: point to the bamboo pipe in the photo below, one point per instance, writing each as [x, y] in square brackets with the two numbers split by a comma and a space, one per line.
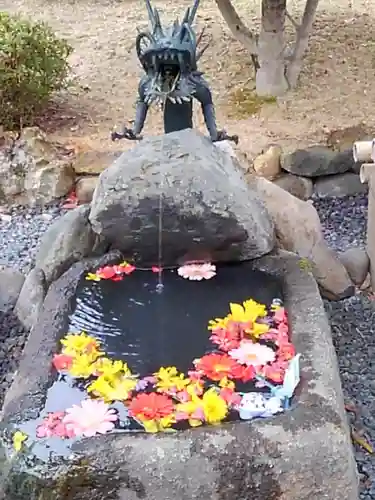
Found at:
[363, 151]
[366, 171]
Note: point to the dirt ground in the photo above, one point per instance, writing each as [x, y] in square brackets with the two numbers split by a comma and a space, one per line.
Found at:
[336, 87]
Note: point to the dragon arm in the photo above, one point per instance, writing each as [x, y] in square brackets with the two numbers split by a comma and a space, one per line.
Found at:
[204, 96]
[140, 116]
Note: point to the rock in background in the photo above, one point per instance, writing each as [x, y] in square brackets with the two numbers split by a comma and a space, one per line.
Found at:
[32, 170]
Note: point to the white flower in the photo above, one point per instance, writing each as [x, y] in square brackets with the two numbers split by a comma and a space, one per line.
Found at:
[252, 354]
[197, 272]
[255, 404]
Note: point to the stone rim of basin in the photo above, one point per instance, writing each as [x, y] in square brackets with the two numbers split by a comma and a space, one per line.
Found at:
[317, 425]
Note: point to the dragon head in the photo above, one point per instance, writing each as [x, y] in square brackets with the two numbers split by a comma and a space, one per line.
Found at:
[169, 57]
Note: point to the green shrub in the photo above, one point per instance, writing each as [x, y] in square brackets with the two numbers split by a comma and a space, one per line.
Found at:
[33, 65]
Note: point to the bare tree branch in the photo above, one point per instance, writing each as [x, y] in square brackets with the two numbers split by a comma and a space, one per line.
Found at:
[237, 27]
[292, 20]
[294, 67]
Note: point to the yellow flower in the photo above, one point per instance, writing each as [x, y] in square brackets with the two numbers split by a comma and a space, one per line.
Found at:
[214, 407]
[112, 388]
[258, 329]
[189, 409]
[249, 312]
[82, 366]
[159, 425]
[110, 367]
[227, 384]
[18, 439]
[76, 344]
[92, 277]
[169, 378]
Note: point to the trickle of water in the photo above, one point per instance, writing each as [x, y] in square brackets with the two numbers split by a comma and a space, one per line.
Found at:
[160, 285]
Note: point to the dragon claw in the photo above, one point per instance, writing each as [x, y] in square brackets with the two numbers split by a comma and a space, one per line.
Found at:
[127, 133]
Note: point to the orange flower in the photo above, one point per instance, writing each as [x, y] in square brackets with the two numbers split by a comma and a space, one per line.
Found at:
[216, 366]
[151, 406]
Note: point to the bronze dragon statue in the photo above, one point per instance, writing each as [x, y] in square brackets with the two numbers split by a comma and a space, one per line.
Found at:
[169, 57]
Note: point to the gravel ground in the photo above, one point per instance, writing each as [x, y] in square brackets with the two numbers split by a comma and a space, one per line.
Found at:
[352, 320]
[353, 328]
[20, 231]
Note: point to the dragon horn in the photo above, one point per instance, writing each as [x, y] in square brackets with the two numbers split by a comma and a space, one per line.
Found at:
[150, 13]
[193, 12]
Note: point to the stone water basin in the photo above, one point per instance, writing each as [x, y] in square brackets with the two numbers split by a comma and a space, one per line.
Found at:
[147, 330]
[275, 458]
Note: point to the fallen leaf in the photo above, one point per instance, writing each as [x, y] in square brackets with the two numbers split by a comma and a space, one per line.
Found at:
[359, 439]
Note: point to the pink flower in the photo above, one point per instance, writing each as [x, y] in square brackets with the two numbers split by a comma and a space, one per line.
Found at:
[252, 354]
[197, 272]
[52, 425]
[92, 417]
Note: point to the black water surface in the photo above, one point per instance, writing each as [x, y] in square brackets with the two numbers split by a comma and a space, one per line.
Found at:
[148, 329]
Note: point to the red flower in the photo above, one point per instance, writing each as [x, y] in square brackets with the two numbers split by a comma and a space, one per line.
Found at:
[126, 268]
[280, 315]
[106, 272]
[62, 362]
[216, 366]
[225, 338]
[243, 372]
[286, 351]
[275, 372]
[156, 269]
[230, 397]
[150, 406]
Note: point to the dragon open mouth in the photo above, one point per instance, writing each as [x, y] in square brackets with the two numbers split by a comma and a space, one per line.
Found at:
[168, 68]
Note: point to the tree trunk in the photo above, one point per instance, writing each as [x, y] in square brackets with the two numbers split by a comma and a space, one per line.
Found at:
[237, 27]
[270, 78]
[303, 32]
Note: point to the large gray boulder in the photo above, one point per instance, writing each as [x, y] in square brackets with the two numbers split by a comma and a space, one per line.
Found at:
[208, 210]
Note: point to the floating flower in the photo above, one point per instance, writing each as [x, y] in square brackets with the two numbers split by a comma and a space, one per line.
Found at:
[245, 314]
[62, 362]
[82, 366]
[252, 354]
[156, 269]
[91, 418]
[280, 315]
[197, 272]
[53, 425]
[18, 440]
[80, 343]
[254, 404]
[275, 371]
[154, 411]
[231, 397]
[226, 338]
[110, 367]
[92, 277]
[215, 366]
[170, 381]
[115, 388]
[214, 407]
[286, 351]
[125, 268]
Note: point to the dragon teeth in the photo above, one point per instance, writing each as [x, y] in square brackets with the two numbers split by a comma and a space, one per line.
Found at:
[172, 99]
[186, 99]
[179, 100]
